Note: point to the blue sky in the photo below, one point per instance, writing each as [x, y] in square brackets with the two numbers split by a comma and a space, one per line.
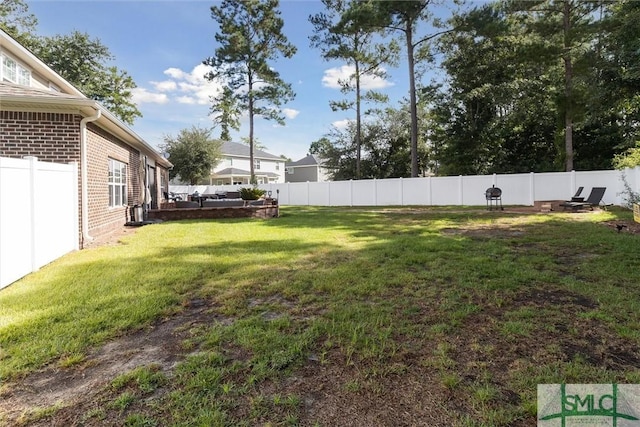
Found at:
[162, 43]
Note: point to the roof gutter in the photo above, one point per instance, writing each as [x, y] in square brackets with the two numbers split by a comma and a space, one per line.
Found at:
[83, 175]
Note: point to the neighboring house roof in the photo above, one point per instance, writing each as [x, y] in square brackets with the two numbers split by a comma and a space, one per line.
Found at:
[269, 174]
[232, 171]
[236, 149]
[309, 160]
[242, 172]
[69, 99]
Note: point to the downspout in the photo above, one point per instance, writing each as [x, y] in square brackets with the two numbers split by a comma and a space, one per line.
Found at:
[83, 175]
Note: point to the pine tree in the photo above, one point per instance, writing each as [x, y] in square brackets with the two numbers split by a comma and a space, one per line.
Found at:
[249, 37]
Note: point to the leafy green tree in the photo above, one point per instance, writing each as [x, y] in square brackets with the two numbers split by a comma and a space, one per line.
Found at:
[386, 145]
[333, 148]
[193, 153]
[566, 28]
[619, 45]
[320, 146]
[249, 37]
[17, 21]
[612, 110]
[339, 152]
[628, 159]
[521, 76]
[505, 106]
[347, 41]
[83, 62]
[496, 114]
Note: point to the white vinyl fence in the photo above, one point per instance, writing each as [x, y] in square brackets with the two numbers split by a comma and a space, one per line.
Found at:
[517, 189]
[38, 215]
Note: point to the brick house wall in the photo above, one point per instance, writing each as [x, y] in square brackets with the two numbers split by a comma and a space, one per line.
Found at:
[101, 146]
[55, 137]
[51, 137]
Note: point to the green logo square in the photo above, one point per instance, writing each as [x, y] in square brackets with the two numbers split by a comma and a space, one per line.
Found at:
[568, 405]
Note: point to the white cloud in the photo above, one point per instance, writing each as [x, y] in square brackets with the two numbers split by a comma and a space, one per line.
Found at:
[176, 73]
[186, 100]
[290, 113]
[181, 87]
[341, 124]
[333, 76]
[193, 87]
[195, 77]
[165, 86]
[142, 96]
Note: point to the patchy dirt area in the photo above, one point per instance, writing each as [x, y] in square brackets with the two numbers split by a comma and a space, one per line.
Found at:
[76, 387]
[113, 237]
[624, 226]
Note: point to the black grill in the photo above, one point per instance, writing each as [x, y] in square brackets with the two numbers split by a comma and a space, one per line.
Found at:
[493, 196]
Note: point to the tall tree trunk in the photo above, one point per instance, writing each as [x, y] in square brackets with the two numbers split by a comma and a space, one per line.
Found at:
[358, 122]
[252, 174]
[568, 88]
[412, 99]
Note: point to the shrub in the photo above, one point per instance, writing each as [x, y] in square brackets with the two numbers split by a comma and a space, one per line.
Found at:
[251, 193]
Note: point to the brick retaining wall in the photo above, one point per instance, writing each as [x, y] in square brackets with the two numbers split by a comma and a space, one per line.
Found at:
[262, 212]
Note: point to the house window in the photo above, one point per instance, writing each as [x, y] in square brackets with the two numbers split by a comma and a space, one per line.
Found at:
[24, 77]
[256, 164]
[15, 73]
[9, 69]
[230, 161]
[289, 171]
[117, 183]
[277, 166]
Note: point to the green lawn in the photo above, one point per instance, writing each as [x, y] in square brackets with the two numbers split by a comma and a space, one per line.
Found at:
[329, 314]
